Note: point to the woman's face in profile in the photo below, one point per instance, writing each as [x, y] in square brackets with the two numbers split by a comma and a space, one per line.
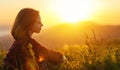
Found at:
[36, 27]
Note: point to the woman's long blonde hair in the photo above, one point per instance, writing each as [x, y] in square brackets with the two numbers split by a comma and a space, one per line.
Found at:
[24, 20]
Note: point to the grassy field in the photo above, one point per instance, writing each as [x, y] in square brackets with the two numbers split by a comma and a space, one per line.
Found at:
[93, 55]
[2, 56]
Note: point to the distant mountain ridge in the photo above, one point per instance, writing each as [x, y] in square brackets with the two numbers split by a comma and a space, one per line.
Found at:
[59, 35]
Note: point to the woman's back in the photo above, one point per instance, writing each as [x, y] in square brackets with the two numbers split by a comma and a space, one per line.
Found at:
[29, 56]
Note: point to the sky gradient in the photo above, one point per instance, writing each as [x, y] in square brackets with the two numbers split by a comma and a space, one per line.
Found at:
[104, 11]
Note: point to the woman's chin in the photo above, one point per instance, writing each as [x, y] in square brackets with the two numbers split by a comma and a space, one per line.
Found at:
[38, 31]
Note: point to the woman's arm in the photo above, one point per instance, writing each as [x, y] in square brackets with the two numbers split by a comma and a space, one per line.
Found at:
[49, 55]
[55, 57]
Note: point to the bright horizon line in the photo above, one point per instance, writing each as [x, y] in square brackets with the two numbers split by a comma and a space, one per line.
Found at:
[5, 30]
[9, 26]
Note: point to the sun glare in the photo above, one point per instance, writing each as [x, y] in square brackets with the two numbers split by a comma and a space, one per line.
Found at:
[76, 10]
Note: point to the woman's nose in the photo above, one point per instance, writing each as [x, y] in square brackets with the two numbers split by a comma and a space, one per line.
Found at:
[41, 24]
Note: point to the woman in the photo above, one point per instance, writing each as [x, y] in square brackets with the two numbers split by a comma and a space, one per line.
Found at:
[26, 53]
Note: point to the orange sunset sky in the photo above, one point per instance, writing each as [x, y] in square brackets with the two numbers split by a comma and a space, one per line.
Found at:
[61, 11]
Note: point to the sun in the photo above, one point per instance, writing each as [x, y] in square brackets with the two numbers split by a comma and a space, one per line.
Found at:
[76, 10]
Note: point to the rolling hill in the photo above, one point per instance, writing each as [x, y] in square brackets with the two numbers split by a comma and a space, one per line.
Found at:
[59, 35]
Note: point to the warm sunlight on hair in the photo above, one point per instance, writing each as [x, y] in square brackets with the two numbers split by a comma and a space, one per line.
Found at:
[76, 10]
